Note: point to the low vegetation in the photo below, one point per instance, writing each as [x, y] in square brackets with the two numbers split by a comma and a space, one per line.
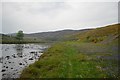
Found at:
[90, 54]
[66, 60]
[105, 34]
[6, 39]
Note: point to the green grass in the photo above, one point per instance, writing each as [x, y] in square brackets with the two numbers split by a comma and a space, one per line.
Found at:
[90, 54]
[67, 60]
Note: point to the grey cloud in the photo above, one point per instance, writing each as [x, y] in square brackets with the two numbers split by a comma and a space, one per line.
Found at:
[47, 16]
[0, 17]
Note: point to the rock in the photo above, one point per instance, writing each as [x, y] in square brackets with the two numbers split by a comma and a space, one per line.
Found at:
[20, 56]
[9, 62]
[3, 70]
[13, 73]
[8, 57]
[31, 59]
[20, 63]
[33, 52]
[1, 60]
[13, 56]
[3, 74]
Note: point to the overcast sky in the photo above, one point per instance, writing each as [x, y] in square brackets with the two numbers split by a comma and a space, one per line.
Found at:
[34, 17]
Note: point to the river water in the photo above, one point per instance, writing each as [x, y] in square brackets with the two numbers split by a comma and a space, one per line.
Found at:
[15, 57]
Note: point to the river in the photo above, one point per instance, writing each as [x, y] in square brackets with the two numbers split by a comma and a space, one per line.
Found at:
[15, 57]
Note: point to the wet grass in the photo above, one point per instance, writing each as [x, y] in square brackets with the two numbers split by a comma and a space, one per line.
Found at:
[73, 60]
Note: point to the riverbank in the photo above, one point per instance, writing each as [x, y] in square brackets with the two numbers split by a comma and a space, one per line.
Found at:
[20, 42]
[76, 60]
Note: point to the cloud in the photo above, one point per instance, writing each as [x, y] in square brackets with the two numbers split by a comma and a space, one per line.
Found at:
[0, 17]
[60, 0]
[50, 16]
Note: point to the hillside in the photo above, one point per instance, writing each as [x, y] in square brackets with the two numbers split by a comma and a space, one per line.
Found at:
[54, 36]
[86, 56]
[103, 34]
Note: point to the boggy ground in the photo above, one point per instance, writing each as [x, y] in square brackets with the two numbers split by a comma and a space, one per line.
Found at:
[74, 59]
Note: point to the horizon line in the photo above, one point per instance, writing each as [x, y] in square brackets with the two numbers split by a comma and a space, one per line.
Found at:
[62, 29]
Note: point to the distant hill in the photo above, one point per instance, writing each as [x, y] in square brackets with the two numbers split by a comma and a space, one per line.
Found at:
[54, 36]
[103, 34]
[51, 36]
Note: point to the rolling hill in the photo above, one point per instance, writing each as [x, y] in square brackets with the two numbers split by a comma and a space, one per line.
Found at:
[51, 36]
[54, 36]
[103, 34]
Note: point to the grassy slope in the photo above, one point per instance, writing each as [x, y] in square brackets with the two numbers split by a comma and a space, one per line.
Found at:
[79, 59]
[105, 34]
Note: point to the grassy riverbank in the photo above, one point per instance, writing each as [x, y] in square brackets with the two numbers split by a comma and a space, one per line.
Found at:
[13, 40]
[21, 42]
[89, 54]
[75, 60]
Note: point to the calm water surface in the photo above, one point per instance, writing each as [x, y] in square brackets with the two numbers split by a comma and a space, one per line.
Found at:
[15, 57]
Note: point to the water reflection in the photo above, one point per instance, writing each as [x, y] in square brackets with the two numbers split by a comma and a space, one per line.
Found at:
[18, 56]
[19, 50]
